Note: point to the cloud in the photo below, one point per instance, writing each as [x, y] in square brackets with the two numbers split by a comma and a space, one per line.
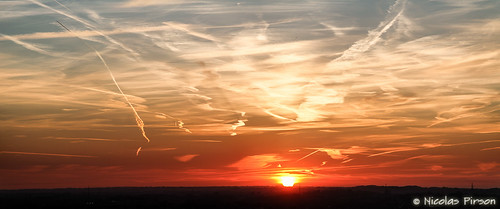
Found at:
[89, 139]
[338, 31]
[87, 24]
[487, 166]
[187, 29]
[374, 35]
[186, 158]
[393, 150]
[239, 123]
[205, 140]
[32, 47]
[160, 149]
[138, 119]
[256, 162]
[490, 148]
[338, 154]
[46, 154]
[86, 33]
[436, 167]
[146, 3]
[333, 153]
[316, 97]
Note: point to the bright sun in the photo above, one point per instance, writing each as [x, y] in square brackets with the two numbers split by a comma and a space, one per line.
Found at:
[288, 181]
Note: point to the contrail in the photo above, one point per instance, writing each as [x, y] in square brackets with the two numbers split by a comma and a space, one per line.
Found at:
[373, 36]
[312, 153]
[88, 33]
[87, 24]
[29, 46]
[138, 119]
[63, 5]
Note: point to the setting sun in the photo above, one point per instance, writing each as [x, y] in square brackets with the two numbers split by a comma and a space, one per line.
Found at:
[288, 181]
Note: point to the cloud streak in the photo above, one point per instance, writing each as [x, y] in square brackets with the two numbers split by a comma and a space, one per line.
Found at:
[374, 35]
[138, 119]
[32, 47]
[87, 33]
[87, 24]
[46, 154]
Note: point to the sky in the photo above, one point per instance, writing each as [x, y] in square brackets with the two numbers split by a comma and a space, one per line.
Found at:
[240, 93]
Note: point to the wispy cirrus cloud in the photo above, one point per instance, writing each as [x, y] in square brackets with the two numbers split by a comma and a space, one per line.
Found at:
[352, 88]
[29, 46]
[86, 33]
[146, 3]
[256, 162]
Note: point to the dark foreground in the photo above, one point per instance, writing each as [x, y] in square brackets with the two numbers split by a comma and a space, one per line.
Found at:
[245, 197]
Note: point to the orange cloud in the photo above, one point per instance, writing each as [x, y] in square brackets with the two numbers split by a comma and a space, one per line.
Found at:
[256, 161]
[45, 154]
[487, 166]
[186, 158]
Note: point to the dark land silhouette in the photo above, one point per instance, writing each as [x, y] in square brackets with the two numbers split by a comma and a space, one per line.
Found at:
[372, 197]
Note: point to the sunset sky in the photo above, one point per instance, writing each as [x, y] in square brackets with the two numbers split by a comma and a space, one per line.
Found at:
[333, 93]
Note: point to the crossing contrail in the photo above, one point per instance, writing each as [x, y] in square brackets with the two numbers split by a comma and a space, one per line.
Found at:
[87, 24]
[138, 120]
